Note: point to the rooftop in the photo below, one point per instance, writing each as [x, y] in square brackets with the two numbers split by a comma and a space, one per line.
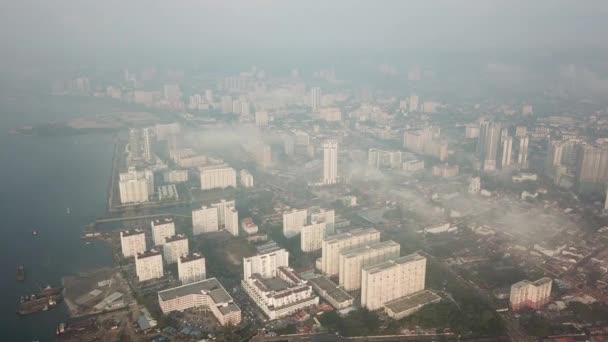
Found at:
[177, 237]
[131, 232]
[210, 286]
[357, 251]
[392, 263]
[349, 234]
[331, 289]
[412, 301]
[191, 257]
[162, 220]
[149, 253]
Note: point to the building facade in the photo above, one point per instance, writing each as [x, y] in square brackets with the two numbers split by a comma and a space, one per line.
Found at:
[132, 242]
[162, 228]
[191, 268]
[384, 282]
[352, 261]
[330, 162]
[175, 247]
[293, 221]
[334, 244]
[149, 265]
[217, 176]
[526, 294]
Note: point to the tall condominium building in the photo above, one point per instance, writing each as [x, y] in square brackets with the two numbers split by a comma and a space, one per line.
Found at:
[293, 221]
[191, 268]
[315, 98]
[383, 282]
[263, 155]
[416, 140]
[324, 215]
[261, 118]
[149, 265]
[217, 176]
[205, 220]
[148, 144]
[231, 218]
[268, 259]
[436, 149]
[162, 228]
[475, 185]
[175, 247]
[331, 114]
[592, 164]
[136, 186]
[333, 245]
[352, 261]
[134, 147]
[246, 179]
[222, 207]
[226, 104]
[522, 152]
[206, 294]
[530, 294]
[471, 131]
[312, 236]
[380, 159]
[132, 242]
[506, 152]
[487, 144]
[413, 101]
[330, 162]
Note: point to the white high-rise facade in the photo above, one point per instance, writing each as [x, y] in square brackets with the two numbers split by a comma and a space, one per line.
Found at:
[269, 258]
[330, 162]
[149, 265]
[315, 98]
[132, 242]
[222, 207]
[217, 176]
[312, 236]
[162, 228]
[507, 146]
[148, 142]
[231, 218]
[352, 261]
[204, 220]
[383, 282]
[136, 186]
[522, 154]
[246, 179]
[191, 268]
[293, 221]
[334, 244]
[174, 248]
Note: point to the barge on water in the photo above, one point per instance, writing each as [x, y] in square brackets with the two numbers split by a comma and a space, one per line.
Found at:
[20, 273]
[45, 300]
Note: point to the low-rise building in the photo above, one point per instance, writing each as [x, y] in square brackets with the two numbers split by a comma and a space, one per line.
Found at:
[249, 227]
[281, 295]
[332, 293]
[207, 294]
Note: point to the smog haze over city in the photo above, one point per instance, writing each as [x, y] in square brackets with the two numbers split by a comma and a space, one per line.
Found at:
[272, 170]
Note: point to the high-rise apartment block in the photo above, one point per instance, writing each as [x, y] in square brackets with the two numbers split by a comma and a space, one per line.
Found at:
[136, 186]
[334, 244]
[268, 259]
[330, 162]
[246, 179]
[315, 98]
[312, 236]
[293, 221]
[204, 220]
[175, 247]
[132, 242]
[530, 294]
[384, 282]
[149, 265]
[352, 261]
[162, 228]
[487, 144]
[191, 268]
[217, 176]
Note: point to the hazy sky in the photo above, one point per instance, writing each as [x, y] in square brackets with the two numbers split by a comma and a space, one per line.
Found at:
[85, 30]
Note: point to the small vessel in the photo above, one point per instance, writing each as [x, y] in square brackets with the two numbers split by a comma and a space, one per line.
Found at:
[35, 232]
[68, 210]
[20, 273]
